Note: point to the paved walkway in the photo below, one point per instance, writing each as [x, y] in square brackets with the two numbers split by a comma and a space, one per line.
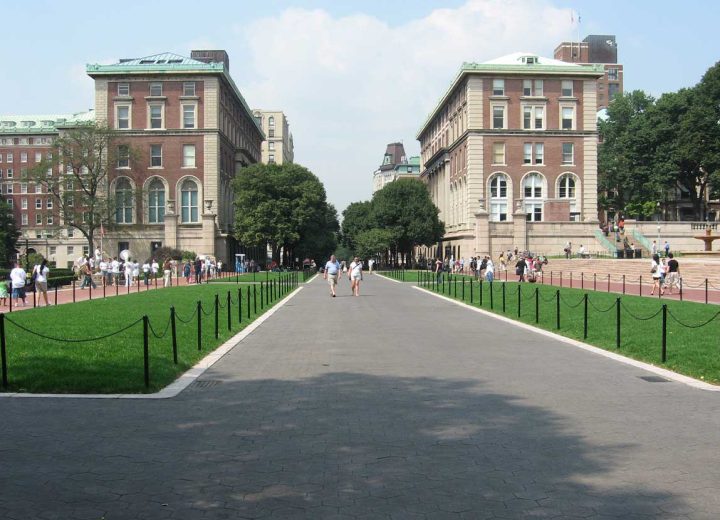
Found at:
[392, 405]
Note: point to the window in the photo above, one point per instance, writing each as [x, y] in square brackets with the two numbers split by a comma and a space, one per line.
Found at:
[23, 157]
[498, 87]
[156, 116]
[24, 219]
[271, 158]
[188, 156]
[613, 90]
[499, 198]
[188, 116]
[568, 118]
[9, 189]
[271, 145]
[271, 132]
[189, 89]
[9, 173]
[38, 157]
[533, 192]
[271, 121]
[23, 204]
[38, 203]
[156, 89]
[9, 157]
[50, 220]
[123, 156]
[122, 117]
[49, 204]
[189, 201]
[10, 203]
[533, 117]
[156, 202]
[156, 156]
[612, 73]
[70, 233]
[86, 250]
[23, 187]
[123, 89]
[568, 153]
[53, 250]
[38, 219]
[532, 87]
[498, 153]
[70, 250]
[498, 113]
[123, 202]
[539, 153]
[533, 153]
[566, 89]
[566, 187]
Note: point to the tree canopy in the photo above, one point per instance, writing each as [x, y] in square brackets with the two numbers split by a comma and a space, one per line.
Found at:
[286, 207]
[399, 217]
[650, 148]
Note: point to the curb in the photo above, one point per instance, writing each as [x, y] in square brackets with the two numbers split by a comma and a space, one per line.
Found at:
[668, 374]
[185, 379]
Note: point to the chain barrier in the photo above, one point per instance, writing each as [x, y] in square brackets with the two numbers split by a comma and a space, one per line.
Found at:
[562, 298]
[548, 300]
[639, 318]
[677, 320]
[206, 313]
[612, 306]
[65, 340]
[192, 316]
[159, 336]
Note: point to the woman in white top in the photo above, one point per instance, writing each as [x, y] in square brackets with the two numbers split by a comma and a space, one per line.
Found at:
[42, 272]
[355, 276]
[128, 272]
[656, 271]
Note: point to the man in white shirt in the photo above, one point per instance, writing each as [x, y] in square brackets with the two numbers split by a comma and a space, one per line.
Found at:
[18, 279]
[489, 270]
[146, 272]
[332, 271]
[155, 268]
[115, 270]
[104, 274]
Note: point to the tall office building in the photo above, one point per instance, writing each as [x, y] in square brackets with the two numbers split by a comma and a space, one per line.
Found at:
[278, 147]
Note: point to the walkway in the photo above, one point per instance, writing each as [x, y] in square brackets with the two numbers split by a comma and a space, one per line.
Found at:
[393, 405]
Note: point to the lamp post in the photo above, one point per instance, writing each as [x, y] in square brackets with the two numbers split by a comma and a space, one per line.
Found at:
[27, 255]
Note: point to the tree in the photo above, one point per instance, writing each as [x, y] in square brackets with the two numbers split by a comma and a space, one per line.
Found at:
[357, 218]
[8, 235]
[405, 210]
[82, 157]
[372, 242]
[283, 206]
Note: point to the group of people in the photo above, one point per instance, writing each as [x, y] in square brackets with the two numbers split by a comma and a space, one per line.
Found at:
[354, 272]
[201, 268]
[114, 271]
[665, 273]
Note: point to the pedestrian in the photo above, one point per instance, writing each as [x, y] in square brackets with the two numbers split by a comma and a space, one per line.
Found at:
[621, 225]
[666, 247]
[167, 272]
[198, 270]
[489, 269]
[136, 271]
[18, 278]
[568, 250]
[438, 270]
[3, 292]
[154, 268]
[115, 271]
[187, 268]
[40, 274]
[672, 277]
[502, 261]
[146, 271]
[654, 248]
[656, 272]
[355, 276]
[332, 269]
[371, 263]
[86, 271]
[128, 272]
[520, 268]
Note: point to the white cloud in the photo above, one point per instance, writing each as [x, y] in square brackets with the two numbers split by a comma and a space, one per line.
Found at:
[352, 84]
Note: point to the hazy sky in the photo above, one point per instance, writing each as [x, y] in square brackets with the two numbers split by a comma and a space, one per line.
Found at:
[350, 75]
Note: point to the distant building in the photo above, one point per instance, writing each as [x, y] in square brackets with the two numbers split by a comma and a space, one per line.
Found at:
[278, 147]
[395, 165]
[596, 49]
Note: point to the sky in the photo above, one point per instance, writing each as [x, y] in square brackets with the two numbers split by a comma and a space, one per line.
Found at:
[351, 76]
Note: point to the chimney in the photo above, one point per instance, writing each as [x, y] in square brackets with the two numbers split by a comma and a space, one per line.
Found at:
[217, 56]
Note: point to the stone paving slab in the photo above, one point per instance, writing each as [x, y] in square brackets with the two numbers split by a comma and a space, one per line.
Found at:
[392, 405]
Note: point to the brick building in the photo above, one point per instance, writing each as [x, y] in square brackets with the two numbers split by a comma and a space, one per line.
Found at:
[510, 148]
[395, 165]
[189, 129]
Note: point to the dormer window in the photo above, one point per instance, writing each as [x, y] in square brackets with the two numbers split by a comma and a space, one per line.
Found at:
[530, 60]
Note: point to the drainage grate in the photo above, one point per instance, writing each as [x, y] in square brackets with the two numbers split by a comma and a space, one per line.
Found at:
[205, 383]
[654, 379]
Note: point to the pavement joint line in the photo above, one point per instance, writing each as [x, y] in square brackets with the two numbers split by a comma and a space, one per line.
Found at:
[186, 378]
[669, 374]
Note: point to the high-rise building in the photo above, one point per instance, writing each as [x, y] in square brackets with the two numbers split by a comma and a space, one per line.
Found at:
[278, 147]
[395, 165]
[512, 148]
[596, 49]
[190, 130]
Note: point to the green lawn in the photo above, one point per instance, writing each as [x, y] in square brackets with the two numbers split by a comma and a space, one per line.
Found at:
[263, 276]
[691, 351]
[115, 364]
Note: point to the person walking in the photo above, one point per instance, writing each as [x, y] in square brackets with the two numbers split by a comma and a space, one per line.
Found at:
[128, 272]
[115, 271]
[355, 276]
[187, 268]
[438, 270]
[520, 268]
[489, 269]
[18, 279]
[654, 249]
[666, 247]
[86, 271]
[41, 273]
[672, 277]
[656, 272]
[332, 269]
[167, 272]
[198, 270]
[146, 272]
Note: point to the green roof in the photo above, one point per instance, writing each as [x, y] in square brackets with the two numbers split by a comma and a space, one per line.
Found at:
[41, 124]
[169, 63]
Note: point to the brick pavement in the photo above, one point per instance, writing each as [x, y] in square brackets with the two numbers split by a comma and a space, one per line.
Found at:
[392, 405]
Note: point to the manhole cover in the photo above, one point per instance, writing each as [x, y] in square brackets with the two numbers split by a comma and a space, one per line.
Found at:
[654, 379]
[205, 383]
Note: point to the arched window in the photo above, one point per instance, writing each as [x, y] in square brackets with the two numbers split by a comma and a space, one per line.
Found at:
[533, 186]
[499, 198]
[123, 201]
[156, 202]
[189, 202]
[567, 190]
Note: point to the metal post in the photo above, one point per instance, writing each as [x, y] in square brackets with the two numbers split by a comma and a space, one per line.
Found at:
[585, 317]
[557, 309]
[681, 291]
[229, 302]
[561, 278]
[481, 292]
[73, 287]
[491, 296]
[455, 287]
[248, 303]
[239, 305]
[617, 322]
[463, 289]
[255, 299]
[217, 322]
[471, 291]
[623, 284]
[3, 353]
[571, 279]
[146, 351]
[199, 325]
[582, 280]
[640, 285]
[57, 287]
[537, 305]
[262, 298]
[594, 281]
[664, 333]
[103, 288]
[173, 331]
[519, 298]
[706, 290]
[608, 282]
[503, 297]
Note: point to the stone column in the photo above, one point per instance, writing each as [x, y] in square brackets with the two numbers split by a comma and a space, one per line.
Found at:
[171, 225]
[483, 242]
[207, 242]
[520, 226]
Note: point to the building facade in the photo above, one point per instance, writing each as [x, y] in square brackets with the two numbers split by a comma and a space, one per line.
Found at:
[512, 144]
[395, 165]
[596, 49]
[278, 146]
[183, 130]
